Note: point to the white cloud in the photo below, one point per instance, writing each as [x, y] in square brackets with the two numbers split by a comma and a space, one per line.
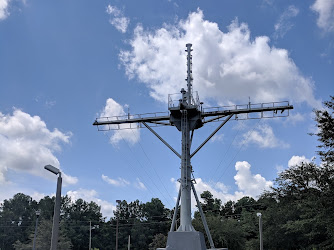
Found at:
[27, 145]
[325, 10]
[218, 190]
[69, 180]
[297, 160]
[117, 19]
[4, 4]
[284, 23]
[249, 184]
[138, 184]
[227, 67]
[217, 138]
[114, 110]
[37, 196]
[279, 168]
[107, 208]
[264, 137]
[120, 182]
[295, 118]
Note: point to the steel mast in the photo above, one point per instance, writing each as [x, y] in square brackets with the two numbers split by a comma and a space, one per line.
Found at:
[187, 115]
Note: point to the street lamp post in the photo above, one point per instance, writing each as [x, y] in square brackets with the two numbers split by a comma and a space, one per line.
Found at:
[56, 214]
[90, 233]
[118, 202]
[38, 212]
[260, 229]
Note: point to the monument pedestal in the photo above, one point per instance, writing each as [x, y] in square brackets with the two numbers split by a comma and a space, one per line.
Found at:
[186, 241]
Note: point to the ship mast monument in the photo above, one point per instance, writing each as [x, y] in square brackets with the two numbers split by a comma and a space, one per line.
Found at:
[187, 114]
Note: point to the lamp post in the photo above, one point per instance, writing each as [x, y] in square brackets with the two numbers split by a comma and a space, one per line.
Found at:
[90, 233]
[56, 214]
[118, 202]
[38, 212]
[260, 229]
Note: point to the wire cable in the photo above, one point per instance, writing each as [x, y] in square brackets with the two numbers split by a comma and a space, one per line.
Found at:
[153, 182]
[156, 173]
[235, 135]
[240, 147]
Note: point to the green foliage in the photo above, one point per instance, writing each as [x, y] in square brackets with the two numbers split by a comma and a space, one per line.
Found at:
[142, 221]
[43, 238]
[76, 218]
[16, 217]
[325, 123]
[159, 241]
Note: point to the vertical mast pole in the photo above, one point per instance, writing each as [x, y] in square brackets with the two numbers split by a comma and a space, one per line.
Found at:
[185, 213]
[189, 72]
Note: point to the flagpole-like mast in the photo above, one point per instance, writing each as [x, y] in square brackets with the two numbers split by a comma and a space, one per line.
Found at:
[187, 115]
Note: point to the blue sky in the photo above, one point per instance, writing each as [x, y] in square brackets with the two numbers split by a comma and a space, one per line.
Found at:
[64, 63]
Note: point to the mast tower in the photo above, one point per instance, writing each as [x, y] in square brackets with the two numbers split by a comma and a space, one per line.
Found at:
[187, 115]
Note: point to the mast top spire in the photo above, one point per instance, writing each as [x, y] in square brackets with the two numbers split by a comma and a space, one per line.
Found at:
[189, 78]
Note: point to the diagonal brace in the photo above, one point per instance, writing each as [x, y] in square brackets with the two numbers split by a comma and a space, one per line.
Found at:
[203, 217]
[155, 133]
[213, 133]
[175, 210]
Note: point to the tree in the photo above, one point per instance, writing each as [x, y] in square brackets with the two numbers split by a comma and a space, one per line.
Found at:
[76, 218]
[211, 205]
[141, 221]
[159, 241]
[225, 228]
[43, 239]
[325, 124]
[17, 217]
[299, 218]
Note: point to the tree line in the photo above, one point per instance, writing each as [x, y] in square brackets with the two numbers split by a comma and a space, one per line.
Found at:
[297, 213]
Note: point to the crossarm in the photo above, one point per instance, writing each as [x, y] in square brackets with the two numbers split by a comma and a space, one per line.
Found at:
[106, 121]
[245, 111]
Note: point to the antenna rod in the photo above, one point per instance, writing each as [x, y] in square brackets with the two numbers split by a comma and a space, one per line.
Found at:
[189, 72]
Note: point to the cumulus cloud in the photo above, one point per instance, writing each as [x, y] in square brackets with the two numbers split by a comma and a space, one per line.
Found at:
[284, 24]
[248, 183]
[107, 208]
[37, 196]
[228, 67]
[325, 10]
[27, 145]
[114, 110]
[295, 118]
[217, 138]
[140, 185]
[4, 4]
[218, 190]
[264, 137]
[120, 182]
[117, 18]
[297, 160]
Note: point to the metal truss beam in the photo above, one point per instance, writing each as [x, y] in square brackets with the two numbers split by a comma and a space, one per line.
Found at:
[131, 120]
[205, 224]
[164, 142]
[213, 133]
[175, 211]
[245, 111]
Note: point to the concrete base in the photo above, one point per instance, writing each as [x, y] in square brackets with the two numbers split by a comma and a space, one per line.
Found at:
[186, 241]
